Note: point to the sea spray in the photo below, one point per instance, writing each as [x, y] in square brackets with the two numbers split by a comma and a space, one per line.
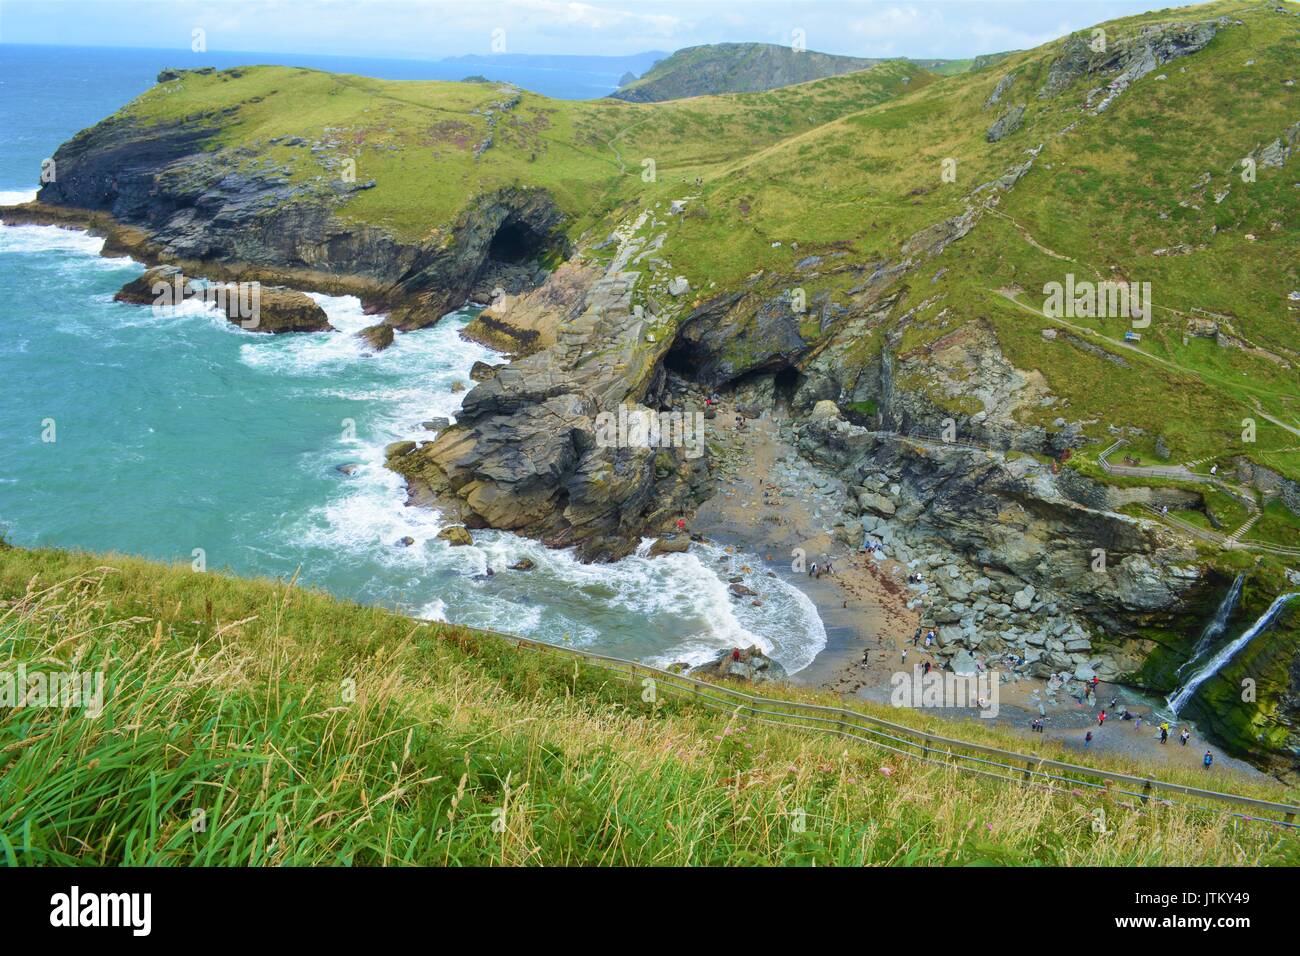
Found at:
[1180, 699]
[251, 428]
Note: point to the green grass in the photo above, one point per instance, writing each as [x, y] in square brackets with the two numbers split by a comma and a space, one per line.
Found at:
[306, 731]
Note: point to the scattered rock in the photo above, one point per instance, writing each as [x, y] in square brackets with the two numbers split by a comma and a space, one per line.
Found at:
[677, 545]
[378, 337]
[456, 536]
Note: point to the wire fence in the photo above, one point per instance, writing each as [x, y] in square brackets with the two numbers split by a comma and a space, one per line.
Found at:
[979, 759]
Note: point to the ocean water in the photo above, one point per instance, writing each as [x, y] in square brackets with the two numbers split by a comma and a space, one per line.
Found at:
[176, 430]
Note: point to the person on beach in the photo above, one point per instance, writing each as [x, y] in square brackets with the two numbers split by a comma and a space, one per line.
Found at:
[1209, 759]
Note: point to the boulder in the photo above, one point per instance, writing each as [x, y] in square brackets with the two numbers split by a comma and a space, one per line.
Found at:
[1023, 598]
[825, 411]
[963, 664]
[752, 665]
[870, 501]
[349, 468]
[436, 424]
[399, 448]
[456, 536]
[676, 545]
[146, 288]
[482, 371]
[280, 310]
[378, 337]
[1006, 124]
[523, 564]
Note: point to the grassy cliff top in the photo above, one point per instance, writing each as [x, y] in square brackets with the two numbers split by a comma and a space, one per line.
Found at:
[846, 170]
[305, 730]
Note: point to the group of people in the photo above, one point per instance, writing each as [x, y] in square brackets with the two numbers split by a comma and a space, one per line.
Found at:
[1184, 735]
[816, 570]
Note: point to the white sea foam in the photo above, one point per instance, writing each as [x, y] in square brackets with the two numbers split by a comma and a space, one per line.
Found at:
[44, 239]
[13, 197]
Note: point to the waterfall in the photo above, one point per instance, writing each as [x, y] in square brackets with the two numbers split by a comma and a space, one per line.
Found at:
[1217, 623]
[1225, 654]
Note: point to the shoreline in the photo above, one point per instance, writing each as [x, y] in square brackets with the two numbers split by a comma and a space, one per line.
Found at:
[867, 606]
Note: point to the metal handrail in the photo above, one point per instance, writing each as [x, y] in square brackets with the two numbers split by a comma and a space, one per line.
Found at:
[764, 709]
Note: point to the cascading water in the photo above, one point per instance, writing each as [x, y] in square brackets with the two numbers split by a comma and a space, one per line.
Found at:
[1217, 623]
[1226, 653]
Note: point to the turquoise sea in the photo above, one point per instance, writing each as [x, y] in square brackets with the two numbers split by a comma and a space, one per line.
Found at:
[175, 430]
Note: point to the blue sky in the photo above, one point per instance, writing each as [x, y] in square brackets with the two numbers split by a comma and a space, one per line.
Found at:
[437, 28]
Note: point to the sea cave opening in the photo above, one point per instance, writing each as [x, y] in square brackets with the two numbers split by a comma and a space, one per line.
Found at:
[516, 242]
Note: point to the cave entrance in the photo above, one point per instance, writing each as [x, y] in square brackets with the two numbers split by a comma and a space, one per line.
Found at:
[784, 384]
[516, 242]
[683, 359]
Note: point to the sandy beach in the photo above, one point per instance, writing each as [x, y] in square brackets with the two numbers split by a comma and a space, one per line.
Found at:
[864, 604]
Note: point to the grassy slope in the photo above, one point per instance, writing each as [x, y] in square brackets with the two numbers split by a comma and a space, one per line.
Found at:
[226, 695]
[851, 164]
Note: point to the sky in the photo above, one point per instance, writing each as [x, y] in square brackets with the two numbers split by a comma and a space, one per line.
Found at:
[432, 29]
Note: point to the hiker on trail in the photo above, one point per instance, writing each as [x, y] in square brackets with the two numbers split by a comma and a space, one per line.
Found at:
[1214, 469]
[917, 636]
[1101, 718]
[1113, 702]
[905, 655]
[929, 637]
[1095, 681]
[681, 524]
[1164, 733]
[1209, 759]
[1087, 740]
[735, 653]
[927, 668]
[1185, 736]
[812, 569]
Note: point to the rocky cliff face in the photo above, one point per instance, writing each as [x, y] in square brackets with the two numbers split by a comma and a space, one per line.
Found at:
[244, 217]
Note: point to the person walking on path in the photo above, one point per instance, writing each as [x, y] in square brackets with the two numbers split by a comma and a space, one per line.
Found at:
[1209, 759]
[1101, 718]
[1087, 740]
[1164, 733]
[1185, 736]
[905, 655]
[1137, 723]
